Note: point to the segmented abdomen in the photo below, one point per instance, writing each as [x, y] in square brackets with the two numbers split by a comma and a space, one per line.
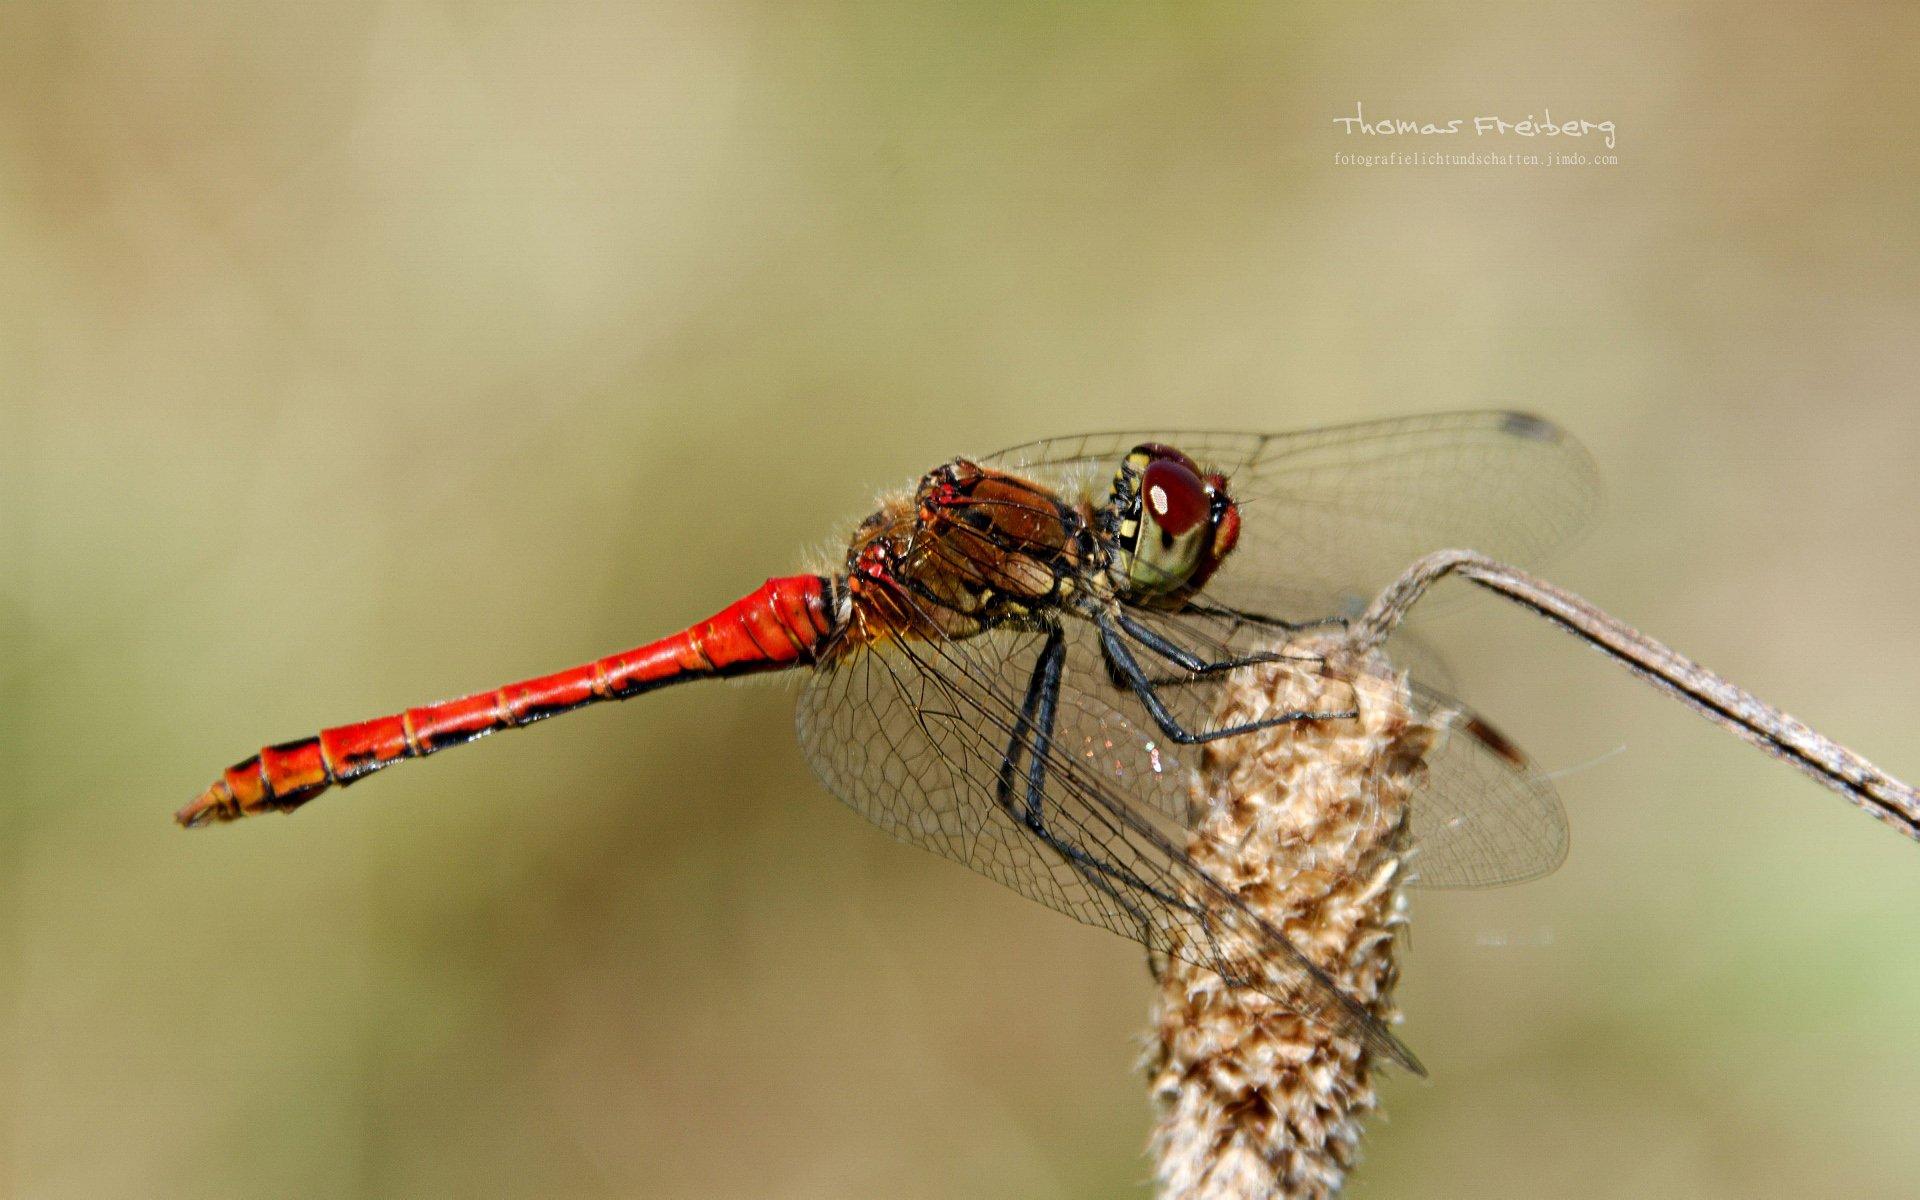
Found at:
[785, 623]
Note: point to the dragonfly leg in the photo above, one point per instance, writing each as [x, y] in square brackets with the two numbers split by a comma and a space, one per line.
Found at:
[1035, 710]
[1126, 669]
[1186, 659]
[1095, 873]
[1254, 618]
[1036, 723]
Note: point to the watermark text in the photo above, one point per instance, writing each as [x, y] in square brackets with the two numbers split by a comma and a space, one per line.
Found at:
[1479, 129]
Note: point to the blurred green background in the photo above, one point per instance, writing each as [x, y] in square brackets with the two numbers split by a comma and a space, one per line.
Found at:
[361, 355]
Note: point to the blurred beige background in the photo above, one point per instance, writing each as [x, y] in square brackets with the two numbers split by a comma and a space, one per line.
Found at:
[356, 356]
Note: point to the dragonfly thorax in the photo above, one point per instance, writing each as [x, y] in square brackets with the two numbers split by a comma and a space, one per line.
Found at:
[971, 548]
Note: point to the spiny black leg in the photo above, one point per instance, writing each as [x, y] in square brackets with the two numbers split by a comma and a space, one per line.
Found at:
[1199, 670]
[1121, 662]
[1046, 689]
[1090, 868]
[1252, 618]
[1045, 667]
[1036, 720]
[1048, 675]
[1186, 659]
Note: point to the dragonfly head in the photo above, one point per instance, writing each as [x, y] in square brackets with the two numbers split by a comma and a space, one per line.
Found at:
[1168, 523]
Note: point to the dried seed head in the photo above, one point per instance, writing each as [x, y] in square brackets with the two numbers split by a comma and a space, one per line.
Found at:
[1307, 823]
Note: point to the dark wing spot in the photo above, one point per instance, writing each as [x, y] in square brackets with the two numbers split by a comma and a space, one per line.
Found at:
[1535, 429]
[1495, 741]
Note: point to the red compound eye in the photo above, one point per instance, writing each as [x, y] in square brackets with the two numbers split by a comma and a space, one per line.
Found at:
[1173, 496]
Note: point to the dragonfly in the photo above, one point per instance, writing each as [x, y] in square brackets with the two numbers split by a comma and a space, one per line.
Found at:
[1015, 659]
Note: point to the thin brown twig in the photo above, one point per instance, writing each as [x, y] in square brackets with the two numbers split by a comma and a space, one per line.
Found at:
[1739, 711]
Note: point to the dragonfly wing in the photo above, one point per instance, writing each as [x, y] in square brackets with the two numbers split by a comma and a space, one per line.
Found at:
[1329, 516]
[913, 736]
[1484, 817]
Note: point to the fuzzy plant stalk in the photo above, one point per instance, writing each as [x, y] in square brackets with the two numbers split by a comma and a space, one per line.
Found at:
[1307, 824]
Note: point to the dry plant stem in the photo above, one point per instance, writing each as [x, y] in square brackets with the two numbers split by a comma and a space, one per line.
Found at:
[1739, 711]
[1307, 824]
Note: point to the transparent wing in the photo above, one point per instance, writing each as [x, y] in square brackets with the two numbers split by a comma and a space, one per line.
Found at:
[1329, 516]
[1483, 818]
[915, 736]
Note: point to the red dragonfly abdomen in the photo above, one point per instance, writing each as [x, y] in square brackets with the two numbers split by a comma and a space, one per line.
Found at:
[783, 624]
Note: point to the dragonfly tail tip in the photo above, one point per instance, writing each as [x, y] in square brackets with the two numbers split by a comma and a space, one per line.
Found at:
[214, 804]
